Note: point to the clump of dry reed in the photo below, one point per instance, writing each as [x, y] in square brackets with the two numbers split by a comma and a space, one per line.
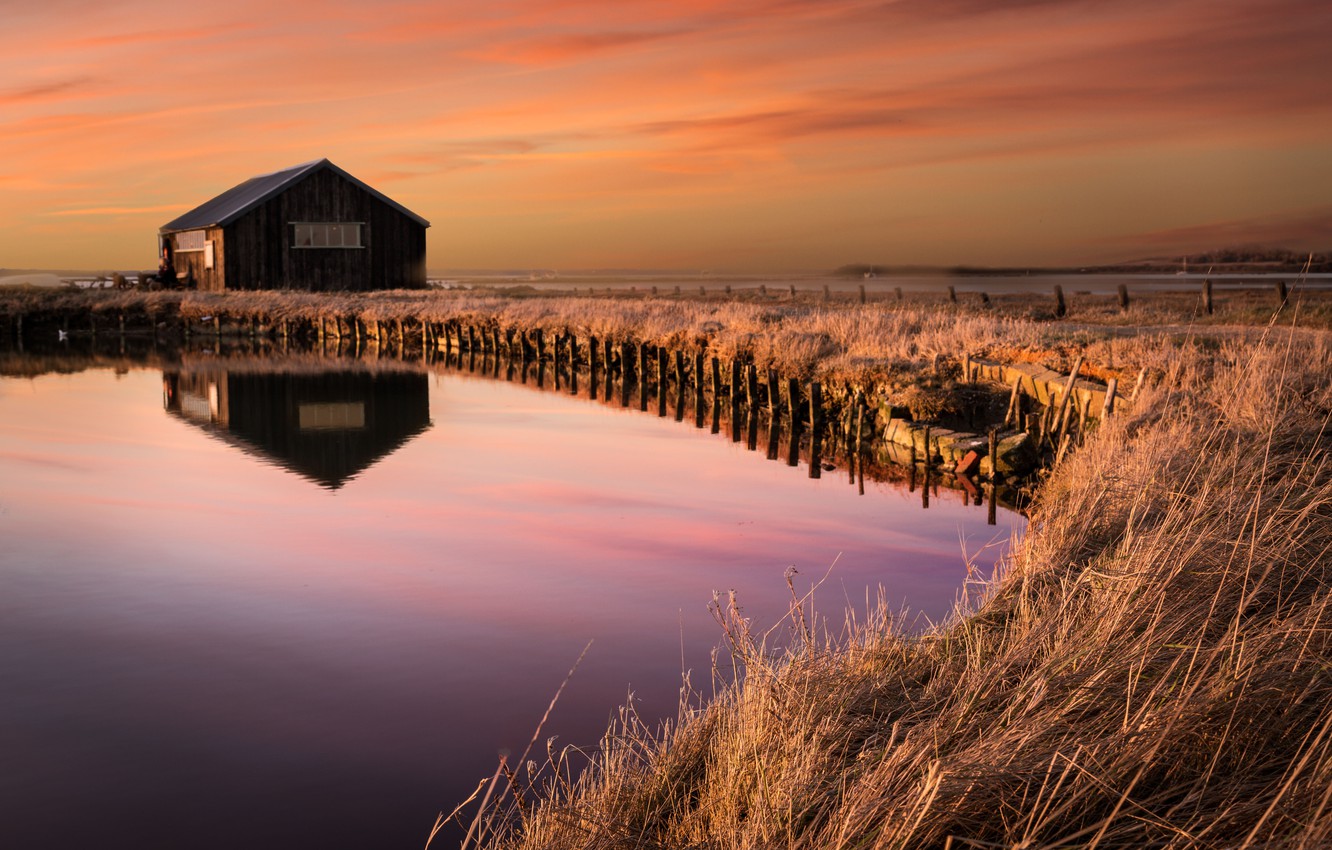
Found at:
[1152, 668]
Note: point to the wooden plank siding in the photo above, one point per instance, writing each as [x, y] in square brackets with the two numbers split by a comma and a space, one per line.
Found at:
[192, 262]
[255, 251]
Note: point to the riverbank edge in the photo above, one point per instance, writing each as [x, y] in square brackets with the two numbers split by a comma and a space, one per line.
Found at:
[1151, 668]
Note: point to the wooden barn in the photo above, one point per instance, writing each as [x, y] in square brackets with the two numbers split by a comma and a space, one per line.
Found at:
[312, 226]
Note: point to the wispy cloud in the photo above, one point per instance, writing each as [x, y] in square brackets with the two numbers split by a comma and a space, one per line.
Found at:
[115, 210]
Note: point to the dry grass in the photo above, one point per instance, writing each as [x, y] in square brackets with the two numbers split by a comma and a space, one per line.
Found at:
[1153, 668]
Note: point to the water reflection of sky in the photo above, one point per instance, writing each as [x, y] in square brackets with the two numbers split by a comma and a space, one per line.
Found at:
[187, 626]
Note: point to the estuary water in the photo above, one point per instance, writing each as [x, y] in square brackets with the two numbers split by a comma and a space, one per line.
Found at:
[271, 604]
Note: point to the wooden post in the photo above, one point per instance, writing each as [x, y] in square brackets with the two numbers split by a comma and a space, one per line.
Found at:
[716, 378]
[815, 406]
[1061, 309]
[592, 358]
[698, 373]
[1282, 294]
[985, 298]
[702, 290]
[679, 370]
[774, 395]
[541, 343]
[793, 399]
[897, 291]
[862, 293]
[609, 355]
[728, 289]
[929, 455]
[735, 381]
[1207, 296]
[763, 289]
[952, 294]
[966, 368]
[663, 379]
[751, 386]
[1061, 418]
[1109, 407]
[827, 293]
[1123, 297]
[1014, 413]
[993, 452]
[793, 294]
[1084, 411]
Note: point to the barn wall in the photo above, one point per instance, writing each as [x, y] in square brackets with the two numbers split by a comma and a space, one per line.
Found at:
[259, 253]
[207, 280]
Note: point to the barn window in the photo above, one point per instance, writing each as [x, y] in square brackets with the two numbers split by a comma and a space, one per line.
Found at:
[190, 240]
[326, 234]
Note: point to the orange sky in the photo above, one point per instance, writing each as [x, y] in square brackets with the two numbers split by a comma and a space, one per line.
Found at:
[689, 134]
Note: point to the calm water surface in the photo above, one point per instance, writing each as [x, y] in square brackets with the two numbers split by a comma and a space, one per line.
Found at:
[248, 609]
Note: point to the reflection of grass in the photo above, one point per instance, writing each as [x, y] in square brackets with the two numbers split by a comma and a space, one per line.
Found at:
[1152, 668]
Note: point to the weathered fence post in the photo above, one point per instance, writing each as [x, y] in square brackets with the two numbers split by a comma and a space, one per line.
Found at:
[952, 294]
[1282, 293]
[862, 293]
[1123, 297]
[1109, 407]
[1207, 296]
[1061, 309]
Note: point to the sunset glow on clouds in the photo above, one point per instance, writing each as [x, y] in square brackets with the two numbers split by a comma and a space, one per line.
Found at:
[772, 134]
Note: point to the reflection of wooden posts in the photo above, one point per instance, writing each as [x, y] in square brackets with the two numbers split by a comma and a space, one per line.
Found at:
[1109, 407]
[793, 403]
[751, 429]
[663, 381]
[642, 376]
[1283, 294]
[925, 491]
[859, 457]
[1061, 309]
[1123, 297]
[1207, 296]
[592, 356]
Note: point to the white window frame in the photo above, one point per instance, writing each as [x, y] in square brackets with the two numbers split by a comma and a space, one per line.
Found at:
[325, 232]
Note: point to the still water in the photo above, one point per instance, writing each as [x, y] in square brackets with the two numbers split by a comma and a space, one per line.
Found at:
[256, 605]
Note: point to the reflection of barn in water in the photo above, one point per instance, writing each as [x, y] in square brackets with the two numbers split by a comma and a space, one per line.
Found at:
[325, 426]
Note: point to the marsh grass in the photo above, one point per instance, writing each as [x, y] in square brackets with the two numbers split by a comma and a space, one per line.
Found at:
[1153, 666]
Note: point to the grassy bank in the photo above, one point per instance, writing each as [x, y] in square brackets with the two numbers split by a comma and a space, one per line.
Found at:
[1153, 668]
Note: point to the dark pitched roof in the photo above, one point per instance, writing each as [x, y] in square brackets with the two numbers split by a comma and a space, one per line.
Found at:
[238, 200]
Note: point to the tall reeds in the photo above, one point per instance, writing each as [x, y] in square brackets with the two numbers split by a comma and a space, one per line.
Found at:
[1153, 668]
